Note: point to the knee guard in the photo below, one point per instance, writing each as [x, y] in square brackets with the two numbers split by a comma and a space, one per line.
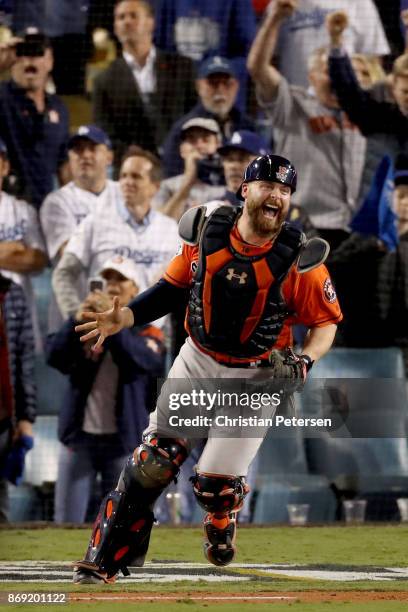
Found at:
[122, 528]
[222, 497]
[153, 465]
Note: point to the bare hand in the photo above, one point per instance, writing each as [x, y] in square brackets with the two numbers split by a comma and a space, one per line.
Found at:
[8, 53]
[336, 23]
[103, 324]
[404, 17]
[285, 8]
[191, 157]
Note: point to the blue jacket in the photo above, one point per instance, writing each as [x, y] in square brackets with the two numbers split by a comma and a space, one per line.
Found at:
[139, 356]
[172, 161]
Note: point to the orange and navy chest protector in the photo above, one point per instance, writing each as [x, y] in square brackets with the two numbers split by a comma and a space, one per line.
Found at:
[236, 305]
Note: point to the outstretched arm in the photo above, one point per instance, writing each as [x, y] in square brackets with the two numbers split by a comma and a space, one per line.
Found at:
[148, 306]
[265, 75]
[361, 108]
[106, 323]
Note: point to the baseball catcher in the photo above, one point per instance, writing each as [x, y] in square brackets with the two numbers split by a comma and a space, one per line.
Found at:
[247, 277]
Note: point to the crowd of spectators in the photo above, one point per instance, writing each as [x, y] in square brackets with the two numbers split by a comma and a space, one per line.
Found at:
[174, 121]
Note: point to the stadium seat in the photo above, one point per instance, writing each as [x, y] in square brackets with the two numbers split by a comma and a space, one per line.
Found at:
[41, 462]
[380, 456]
[282, 455]
[276, 492]
[51, 387]
[24, 504]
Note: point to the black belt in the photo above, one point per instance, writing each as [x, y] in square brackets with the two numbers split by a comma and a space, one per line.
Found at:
[256, 363]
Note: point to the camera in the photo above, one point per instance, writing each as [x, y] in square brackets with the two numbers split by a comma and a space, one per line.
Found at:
[96, 284]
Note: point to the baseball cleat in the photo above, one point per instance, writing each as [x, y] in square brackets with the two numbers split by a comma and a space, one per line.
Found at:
[90, 575]
[219, 533]
[80, 577]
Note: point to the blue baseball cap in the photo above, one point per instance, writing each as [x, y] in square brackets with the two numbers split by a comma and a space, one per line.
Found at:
[3, 148]
[247, 141]
[90, 132]
[34, 35]
[215, 65]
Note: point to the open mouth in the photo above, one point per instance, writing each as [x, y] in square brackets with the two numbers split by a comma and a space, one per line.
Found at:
[30, 70]
[270, 210]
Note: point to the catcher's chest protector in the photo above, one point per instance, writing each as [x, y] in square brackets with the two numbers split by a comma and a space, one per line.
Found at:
[236, 304]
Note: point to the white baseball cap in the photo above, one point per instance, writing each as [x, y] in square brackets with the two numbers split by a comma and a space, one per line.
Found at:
[126, 267]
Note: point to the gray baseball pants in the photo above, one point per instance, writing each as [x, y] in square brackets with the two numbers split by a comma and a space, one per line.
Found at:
[221, 455]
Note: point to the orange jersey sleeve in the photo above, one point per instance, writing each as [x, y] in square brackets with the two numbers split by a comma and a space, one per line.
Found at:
[180, 270]
[312, 298]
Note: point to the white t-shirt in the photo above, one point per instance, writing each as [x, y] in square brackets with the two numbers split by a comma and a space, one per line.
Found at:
[19, 221]
[61, 213]
[305, 31]
[151, 244]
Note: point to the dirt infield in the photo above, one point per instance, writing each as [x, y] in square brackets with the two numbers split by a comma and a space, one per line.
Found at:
[266, 597]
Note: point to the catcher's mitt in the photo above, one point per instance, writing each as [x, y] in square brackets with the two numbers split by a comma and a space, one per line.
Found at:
[289, 368]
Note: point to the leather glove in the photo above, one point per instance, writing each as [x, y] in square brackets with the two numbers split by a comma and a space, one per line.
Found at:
[290, 368]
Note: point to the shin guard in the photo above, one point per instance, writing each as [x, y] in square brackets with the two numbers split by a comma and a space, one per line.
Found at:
[222, 496]
[122, 528]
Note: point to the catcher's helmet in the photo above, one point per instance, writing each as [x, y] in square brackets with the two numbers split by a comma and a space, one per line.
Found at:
[270, 168]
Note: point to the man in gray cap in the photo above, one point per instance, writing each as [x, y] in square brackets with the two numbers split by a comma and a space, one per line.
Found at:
[203, 178]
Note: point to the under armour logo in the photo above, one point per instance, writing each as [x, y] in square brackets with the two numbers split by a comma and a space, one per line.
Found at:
[242, 277]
